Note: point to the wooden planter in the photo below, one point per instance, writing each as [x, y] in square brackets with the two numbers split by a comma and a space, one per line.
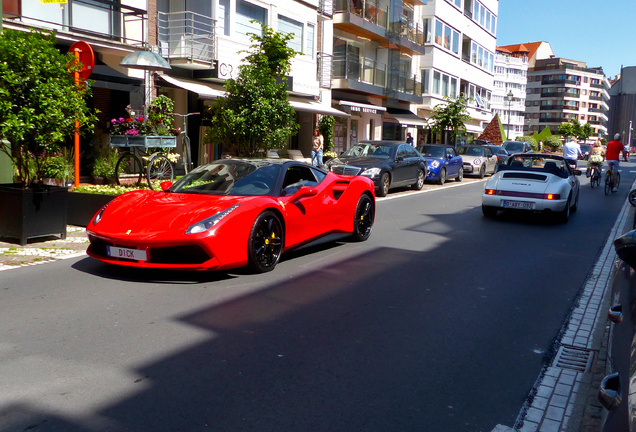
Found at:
[82, 207]
[36, 212]
[147, 141]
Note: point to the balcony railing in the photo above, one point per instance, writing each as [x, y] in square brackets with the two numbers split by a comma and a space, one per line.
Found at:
[103, 19]
[597, 98]
[561, 81]
[326, 7]
[359, 69]
[325, 69]
[565, 67]
[560, 94]
[187, 35]
[411, 31]
[600, 86]
[559, 107]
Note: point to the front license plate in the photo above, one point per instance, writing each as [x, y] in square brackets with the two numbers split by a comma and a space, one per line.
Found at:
[523, 205]
[133, 254]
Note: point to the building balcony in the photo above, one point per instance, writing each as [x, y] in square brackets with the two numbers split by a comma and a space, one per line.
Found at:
[326, 8]
[324, 69]
[559, 94]
[560, 81]
[599, 86]
[370, 19]
[371, 77]
[187, 39]
[97, 20]
[599, 110]
[559, 107]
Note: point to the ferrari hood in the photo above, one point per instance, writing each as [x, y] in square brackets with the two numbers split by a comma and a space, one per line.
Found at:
[148, 212]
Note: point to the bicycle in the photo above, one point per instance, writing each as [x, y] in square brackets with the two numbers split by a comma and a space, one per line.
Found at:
[187, 155]
[609, 182]
[595, 175]
[130, 169]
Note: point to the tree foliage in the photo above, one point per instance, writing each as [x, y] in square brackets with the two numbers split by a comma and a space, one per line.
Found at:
[529, 139]
[256, 114]
[450, 116]
[39, 101]
[574, 128]
[326, 125]
[553, 143]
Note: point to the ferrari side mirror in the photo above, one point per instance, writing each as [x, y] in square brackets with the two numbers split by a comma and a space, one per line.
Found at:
[165, 185]
[305, 191]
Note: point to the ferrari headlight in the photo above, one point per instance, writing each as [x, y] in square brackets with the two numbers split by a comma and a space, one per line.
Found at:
[476, 161]
[434, 164]
[209, 222]
[371, 172]
[99, 215]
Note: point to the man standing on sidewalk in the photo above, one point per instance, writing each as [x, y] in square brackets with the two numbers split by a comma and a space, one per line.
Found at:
[613, 155]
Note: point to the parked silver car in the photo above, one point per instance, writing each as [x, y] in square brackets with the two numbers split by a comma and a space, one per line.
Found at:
[478, 160]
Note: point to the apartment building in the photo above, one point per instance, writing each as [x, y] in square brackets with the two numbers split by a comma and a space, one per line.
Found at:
[622, 105]
[376, 49]
[509, 94]
[204, 42]
[560, 90]
[460, 54]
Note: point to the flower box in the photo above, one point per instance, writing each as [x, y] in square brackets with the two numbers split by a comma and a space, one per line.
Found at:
[147, 141]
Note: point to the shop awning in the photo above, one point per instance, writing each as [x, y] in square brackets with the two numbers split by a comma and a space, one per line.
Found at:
[473, 128]
[104, 76]
[204, 90]
[314, 107]
[405, 117]
[363, 108]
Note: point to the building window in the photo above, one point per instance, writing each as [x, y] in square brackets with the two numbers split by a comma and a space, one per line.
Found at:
[224, 17]
[445, 36]
[290, 26]
[246, 12]
[309, 43]
[426, 76]
[436, 82]
[445, 84]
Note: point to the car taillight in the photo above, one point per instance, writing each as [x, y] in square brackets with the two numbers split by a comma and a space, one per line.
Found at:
[553, 196]
[490, 191]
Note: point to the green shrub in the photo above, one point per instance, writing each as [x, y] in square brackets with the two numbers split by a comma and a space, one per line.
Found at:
[529, 139]
[553, 144]
[60, 166]
[326, 125]
[105, 161]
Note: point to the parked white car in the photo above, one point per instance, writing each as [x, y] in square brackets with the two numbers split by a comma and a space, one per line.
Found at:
[479, 160]
[533, 182]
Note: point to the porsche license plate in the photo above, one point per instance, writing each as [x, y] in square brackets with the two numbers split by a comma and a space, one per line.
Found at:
[523, 205]
[133, 254]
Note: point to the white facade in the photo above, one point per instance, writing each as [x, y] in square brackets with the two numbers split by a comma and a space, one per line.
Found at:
[511, 77]
[461, 48]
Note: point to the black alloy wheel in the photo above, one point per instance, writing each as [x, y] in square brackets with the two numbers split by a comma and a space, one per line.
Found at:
[265, 244]
[385, 183]
[419, 182]
[363, 218]
[460, 174]
[482, 171]
[442, 176]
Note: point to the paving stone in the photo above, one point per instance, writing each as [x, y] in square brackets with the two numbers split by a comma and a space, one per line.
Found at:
[554, 413]
[567, 379]
[535, 415]
[548, 381]
[544, 391]
[529, 427]
[562, 390]
[540, 403]
[553, 371]
[550, 426]
[559, 401]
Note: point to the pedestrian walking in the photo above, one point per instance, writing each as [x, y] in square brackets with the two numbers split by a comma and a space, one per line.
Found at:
[317, 145]
[409, 139]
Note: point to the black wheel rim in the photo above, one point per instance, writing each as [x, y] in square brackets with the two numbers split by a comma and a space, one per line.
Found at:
[385, 184]
[460, 174]
[420, 180]
[268, 242]
[442, 176]
[364, 218]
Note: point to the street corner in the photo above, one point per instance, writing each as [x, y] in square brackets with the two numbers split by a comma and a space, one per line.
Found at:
[43, 249]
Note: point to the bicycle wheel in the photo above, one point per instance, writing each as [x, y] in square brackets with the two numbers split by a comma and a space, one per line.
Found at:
[159, 169]
[592, 177]
[618, 181]
[128, 170]
[608, 182]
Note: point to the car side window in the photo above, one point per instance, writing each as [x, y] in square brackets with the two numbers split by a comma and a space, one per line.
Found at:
[410, 152]
[450, 152]
[402, 151]
[297, 177]
[487, 152]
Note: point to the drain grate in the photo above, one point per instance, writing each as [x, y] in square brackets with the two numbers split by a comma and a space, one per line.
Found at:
[576, 359]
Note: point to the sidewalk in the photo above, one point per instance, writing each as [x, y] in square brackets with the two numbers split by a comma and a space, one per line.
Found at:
[43, 249]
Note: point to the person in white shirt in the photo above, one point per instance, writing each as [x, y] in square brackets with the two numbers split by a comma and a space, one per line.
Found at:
[572, 151]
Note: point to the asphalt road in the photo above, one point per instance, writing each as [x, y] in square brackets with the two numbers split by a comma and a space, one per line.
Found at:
[440, 322]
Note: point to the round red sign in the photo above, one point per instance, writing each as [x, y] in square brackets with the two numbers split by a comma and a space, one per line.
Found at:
[86, 57]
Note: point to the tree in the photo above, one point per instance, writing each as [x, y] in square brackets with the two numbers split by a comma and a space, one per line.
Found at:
[256, 114]
[450, 116]
[39, 101]
[325, 125]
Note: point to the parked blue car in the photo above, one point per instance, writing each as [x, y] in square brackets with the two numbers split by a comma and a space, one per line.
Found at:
[443, 162]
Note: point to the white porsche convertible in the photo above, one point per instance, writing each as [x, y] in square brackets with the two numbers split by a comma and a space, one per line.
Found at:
[534, 182]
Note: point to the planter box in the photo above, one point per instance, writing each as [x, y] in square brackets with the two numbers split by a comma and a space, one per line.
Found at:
[83, 206]
[147, 141]
[28, 213]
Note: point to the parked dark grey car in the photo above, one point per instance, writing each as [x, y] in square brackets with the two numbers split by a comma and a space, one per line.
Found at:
[389, 164]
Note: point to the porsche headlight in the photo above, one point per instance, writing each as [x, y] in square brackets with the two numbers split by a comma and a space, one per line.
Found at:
[209, 222]
[434, 164]
[476, 161]
[371, 172]
[99, 215]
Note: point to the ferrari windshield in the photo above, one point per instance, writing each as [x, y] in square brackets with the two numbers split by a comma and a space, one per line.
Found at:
[370, 150]
[471, 151]
[230, 177]
[432, 151]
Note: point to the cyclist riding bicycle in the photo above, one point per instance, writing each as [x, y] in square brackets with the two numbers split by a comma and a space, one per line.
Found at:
[614, 149]
[572, 151]
[595, 159]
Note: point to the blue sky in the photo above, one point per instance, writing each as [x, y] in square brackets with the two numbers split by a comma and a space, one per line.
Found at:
[600, 33]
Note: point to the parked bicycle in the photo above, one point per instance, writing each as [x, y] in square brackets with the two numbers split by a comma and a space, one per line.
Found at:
[609, 180]
[131, 168]
[187, 155]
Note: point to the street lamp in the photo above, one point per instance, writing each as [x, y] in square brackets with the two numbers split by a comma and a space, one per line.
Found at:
[510, 96]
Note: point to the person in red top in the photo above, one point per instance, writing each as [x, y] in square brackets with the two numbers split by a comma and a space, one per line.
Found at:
[614, 149]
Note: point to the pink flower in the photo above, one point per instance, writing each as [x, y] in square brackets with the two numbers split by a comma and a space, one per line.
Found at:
[121, 119]
[114, 121]
[132, 132]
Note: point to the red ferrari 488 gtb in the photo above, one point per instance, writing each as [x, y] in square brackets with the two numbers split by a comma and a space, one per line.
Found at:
[231, 213]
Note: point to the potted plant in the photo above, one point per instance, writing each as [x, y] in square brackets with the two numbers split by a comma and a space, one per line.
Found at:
[154, 130]
[104, 166]
[39, 105]
[59, 169]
